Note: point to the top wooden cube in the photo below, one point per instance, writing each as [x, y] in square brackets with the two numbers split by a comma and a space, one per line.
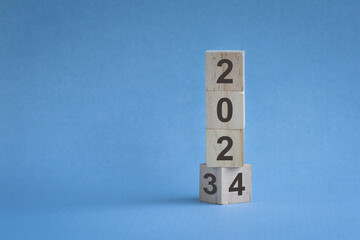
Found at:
[225, 71]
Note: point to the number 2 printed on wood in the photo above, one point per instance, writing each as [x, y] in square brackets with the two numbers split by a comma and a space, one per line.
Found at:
[222, 79]
[221, 156]
[224, 148]
[225, 71]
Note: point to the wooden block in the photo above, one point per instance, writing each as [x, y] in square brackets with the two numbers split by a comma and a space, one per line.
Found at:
[225, 110]
[210, 182]
[225, 71]
[225, 148]
[225, 185]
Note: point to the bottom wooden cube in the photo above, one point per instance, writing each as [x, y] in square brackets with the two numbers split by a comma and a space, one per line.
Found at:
[225, 185]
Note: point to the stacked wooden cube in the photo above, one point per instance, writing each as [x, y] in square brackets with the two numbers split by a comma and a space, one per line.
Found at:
[225, 179]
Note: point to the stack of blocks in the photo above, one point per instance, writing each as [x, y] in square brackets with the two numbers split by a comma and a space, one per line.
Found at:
[225, 179]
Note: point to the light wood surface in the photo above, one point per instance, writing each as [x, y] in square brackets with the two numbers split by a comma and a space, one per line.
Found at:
[204, 184]
[214, 148]
[236, 99]
[225, 178]
[213, 71]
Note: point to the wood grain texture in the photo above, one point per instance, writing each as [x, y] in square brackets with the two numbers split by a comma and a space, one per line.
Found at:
[213, 148]
[237, 120]
[204, 183]
[227, 177]
[213, 71]
[224, 179]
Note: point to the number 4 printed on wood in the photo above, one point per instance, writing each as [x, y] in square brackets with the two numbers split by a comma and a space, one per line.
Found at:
[240, 188]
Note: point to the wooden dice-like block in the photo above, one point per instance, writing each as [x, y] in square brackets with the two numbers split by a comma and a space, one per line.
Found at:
[225, 71]
[225, 185]
[225, 110]
[225, 148]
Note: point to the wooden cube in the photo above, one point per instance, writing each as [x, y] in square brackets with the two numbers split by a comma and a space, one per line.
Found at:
[225, 148]
[225, 110]
[225, 71]
[225, 185]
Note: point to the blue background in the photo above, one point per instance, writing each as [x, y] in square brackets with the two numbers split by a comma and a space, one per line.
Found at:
[102, 118]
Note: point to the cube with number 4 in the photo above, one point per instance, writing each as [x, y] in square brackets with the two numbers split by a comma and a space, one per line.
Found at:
[225, 185]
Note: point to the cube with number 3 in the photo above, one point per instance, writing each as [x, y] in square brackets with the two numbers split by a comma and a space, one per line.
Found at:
[225, 185]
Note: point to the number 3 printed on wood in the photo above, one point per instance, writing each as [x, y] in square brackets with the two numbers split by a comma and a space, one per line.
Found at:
[211, 183]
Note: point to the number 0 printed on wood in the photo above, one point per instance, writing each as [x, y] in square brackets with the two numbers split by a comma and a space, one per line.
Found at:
[225, 110]
[225, 71]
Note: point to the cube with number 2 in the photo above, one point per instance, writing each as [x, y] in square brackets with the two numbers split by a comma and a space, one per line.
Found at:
[225, 71]
[225, 185]
[225, 148]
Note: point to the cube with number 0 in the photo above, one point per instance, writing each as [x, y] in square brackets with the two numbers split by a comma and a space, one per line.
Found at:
[225, 185]
[225, 110]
